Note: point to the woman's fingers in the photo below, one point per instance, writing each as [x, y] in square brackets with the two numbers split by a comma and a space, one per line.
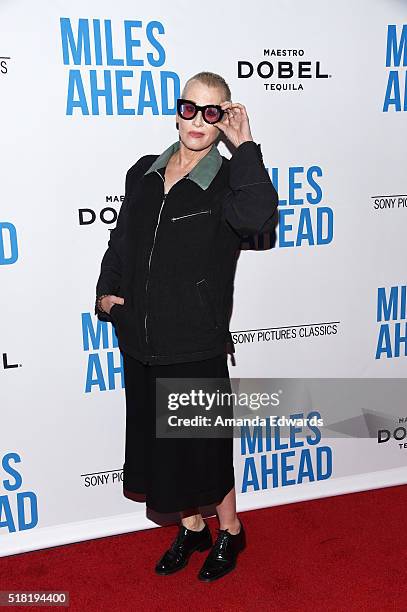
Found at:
[221, 125]
[234, 110]
[233, 105]
[115, 299]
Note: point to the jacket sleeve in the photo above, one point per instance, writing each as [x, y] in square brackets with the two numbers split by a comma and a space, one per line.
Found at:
[112, 262]
[250, 205]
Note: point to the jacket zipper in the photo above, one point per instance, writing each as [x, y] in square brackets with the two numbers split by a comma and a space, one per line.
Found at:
[149, 262]
[201, 212]
[151, 252]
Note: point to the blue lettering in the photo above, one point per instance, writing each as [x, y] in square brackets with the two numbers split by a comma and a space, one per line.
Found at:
[81, 47]
[5, 462]
[250, 475]
[305, 228]
[22, 508]
[8, 515]
[151, 26]
[131, 43]
[75, 85]
[294, 430]
[321, 452]
[5, 259]
[90, 336]
[95, 376]
[392, 96]
[94, 366]
[384, 342]
[287, 468]
[98, 42]
[312, 183]
[166, 77]
[104, 92]
[146, 83]
[394, 53]
[316, 438]
[110, 59]
[248, 443]
[305, 469]
[328, 212]
[121, 92]
[388, 309]
[293, 186]
[267, 471]
[112, 370]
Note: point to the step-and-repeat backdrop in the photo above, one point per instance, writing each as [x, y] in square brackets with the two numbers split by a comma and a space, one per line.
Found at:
[86, 88]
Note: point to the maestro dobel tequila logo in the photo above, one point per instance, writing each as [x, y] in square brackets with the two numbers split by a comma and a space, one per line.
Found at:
[282, 69]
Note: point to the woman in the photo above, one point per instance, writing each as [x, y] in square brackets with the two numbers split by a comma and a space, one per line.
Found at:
[166, 283]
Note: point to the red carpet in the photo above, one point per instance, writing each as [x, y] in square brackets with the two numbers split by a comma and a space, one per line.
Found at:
[341, 553]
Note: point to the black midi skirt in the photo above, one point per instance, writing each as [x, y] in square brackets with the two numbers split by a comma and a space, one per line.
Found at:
[172, 474]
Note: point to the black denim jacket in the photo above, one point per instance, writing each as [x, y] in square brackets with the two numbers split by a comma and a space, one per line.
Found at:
[172, 256]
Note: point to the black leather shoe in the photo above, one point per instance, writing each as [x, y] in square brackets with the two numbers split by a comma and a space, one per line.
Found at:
[186, 542]
[223, 555]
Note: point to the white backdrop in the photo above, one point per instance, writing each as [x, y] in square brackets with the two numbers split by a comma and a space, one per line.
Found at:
[334, 146]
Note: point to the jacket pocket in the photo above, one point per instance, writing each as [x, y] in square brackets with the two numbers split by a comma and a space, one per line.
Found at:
[188, 215]
[114, 310]
[115, 313]
[207, 302]
[124, 321]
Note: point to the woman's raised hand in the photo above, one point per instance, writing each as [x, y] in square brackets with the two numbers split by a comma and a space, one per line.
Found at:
[235, 123]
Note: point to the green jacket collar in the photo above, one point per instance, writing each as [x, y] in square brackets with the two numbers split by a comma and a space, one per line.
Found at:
[204, 171]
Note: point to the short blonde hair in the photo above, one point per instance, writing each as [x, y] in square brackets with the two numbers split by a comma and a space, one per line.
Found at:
[211, 79]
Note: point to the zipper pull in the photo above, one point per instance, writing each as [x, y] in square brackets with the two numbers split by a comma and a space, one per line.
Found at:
[199, 212]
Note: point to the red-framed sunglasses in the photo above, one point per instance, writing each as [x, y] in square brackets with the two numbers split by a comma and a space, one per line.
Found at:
[211, 113]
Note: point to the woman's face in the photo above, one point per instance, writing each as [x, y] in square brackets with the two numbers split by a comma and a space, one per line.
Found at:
[195, 133]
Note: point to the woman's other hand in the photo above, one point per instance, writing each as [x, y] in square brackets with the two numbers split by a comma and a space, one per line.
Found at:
[235, 123]
[108, 301]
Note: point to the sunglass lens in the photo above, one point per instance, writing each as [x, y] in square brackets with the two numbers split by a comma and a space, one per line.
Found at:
[212, 114]
[187, 110]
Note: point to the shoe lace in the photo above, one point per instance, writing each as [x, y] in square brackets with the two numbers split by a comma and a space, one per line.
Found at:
[222, 540]
[179, 540]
